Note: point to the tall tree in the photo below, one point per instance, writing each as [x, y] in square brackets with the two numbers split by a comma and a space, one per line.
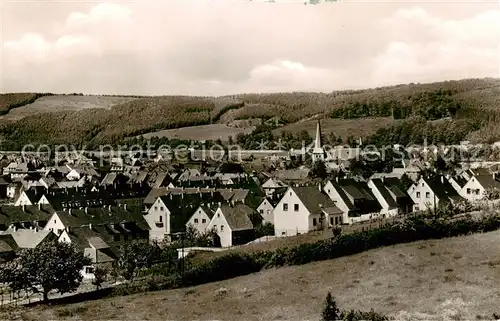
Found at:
[51, 266]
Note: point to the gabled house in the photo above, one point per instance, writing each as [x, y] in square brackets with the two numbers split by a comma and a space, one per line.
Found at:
[429, 193]
[201, 218]
[8, 248]
[272, 185]
[391, 195]
[355, 199]
[304, 209]
[478, 186]
[30, 238]
[28, 197]
[13, 218]
[233, 224]
[265, 209]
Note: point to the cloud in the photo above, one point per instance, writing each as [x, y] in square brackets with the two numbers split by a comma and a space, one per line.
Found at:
[221, 47]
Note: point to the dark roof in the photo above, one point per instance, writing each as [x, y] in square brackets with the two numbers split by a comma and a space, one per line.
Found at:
[393, 191]
[210, 213]
[363, 201]
[103, 216]
[7, 243]
[487, 181]
[315, 201]
[442, 188]
[14, 214]
[237, 216]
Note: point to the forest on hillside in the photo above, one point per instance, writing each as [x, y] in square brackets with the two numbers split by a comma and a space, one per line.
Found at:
[445, 112]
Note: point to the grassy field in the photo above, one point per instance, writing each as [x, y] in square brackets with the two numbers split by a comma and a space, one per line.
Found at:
[344, 128]
[449, 279]
[203, 132]
[64, 103]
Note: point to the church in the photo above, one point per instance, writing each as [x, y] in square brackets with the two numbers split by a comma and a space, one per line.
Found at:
[317, 152]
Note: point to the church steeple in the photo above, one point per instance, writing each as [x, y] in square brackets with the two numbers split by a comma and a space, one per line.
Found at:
[317, 142]
[318, 153]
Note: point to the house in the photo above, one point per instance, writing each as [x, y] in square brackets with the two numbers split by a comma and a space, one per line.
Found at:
[355, 199]
[169, 214]
[100, 243]
[28, 197]
[265, 209]
[201, 218]
[272, 185]
[115, 219]
[304, 209]
[478, 186]
[13, 218]
[391, 195]
[431, 192]
[292, 176]
[30, 238]
[409, 168]
[233, 224]
[117, 164]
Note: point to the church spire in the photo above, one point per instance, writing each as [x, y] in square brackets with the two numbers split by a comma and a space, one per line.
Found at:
[317, 142]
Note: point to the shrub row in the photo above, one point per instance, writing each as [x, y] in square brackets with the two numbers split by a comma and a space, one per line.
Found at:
[237, 264]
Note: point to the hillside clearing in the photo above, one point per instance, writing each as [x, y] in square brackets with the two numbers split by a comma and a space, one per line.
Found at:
[203, 132]
[59, 103]
[456, 278]
[343, 128]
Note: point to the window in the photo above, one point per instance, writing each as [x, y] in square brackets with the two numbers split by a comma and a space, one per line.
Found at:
[161, 208]
[89, 270]
[314, 221]
[283, 233]
[468, 191]
[215, 226]
[290, 193]
[203, 220]
[55, 222]
[418, 194]
[285, 207]
[336, 220]
[422, 184]
[328, 191]
[261, 211]
[477, 191]
[296, 207]
[195, 221]
[427, 195]
[218, 214]
[160, 219]
[59, 231]
[156, 208]
[331, 220]
[222, 228]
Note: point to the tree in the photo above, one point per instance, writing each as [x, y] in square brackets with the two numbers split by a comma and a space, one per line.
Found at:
[330, 312]
[100, 274]
[319, 169]
[134, 255]
[51, 266]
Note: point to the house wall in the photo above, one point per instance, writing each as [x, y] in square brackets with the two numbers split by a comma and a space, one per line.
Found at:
[43, 200]
[379, 197]
[157, 212]
[221, 226]
[11, 191]
[55, 225]
[265, 210]
[197, 222]
[331, 191]
[472, 190]
[287, 223]
[334, 219]
[73, 175]
[423, 201]
[22, 200]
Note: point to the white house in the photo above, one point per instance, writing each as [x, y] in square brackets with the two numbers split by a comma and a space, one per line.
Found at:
[354, 198]
[29, 197]
[391, 195]
[429, 193]
[265, 210]
[304, 209]
[271, 185]
[201, 218]
[158, 219]
[477, 186]
[232, 224]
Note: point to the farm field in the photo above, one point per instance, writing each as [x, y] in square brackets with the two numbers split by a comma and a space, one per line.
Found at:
[203, 132]
[344, 128]
[449, 279]
[64, 103]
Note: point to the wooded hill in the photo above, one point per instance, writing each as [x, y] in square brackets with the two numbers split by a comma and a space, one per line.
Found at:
[441, 112]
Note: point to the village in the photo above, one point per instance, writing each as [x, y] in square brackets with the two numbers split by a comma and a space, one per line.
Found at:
[99, 211]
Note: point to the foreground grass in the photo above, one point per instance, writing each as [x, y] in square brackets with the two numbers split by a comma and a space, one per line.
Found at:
[456, 278]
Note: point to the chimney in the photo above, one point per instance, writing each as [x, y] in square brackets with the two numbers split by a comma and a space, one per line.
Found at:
[109, 208]
[319, 187]
[68, 229]
[125, 207]
[69, 211]
[90, 226]
[39, 206]
[171, 196]
[86, 210]
[382, 179]
[337, 178]
[442, 179]
[24, 208]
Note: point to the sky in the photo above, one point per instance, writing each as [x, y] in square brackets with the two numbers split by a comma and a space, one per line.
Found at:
[219, 47]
